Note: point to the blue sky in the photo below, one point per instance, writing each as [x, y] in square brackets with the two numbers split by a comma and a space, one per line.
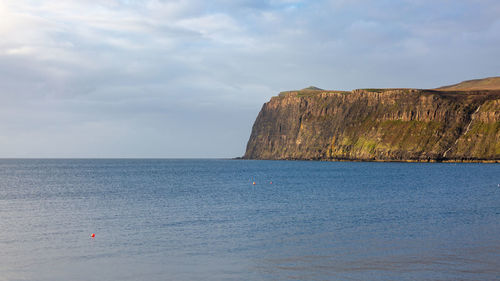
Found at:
[187, 78]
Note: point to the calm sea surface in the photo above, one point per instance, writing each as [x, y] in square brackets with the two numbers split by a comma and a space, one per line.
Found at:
[205, 220]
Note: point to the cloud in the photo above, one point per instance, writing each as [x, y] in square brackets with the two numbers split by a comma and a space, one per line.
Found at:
[186, 78]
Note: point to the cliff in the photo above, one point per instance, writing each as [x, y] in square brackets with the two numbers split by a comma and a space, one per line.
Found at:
[379, 125]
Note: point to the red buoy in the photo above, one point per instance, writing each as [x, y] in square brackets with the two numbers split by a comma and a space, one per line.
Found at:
[253, 183]
[92, 235]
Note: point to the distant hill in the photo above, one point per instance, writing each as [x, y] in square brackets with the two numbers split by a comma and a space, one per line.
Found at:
[491, 83]
[312, 88]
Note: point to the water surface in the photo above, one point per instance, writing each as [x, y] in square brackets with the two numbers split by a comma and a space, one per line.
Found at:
[205, 220]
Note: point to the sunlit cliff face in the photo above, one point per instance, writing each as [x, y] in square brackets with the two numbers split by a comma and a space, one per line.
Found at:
[379, 125]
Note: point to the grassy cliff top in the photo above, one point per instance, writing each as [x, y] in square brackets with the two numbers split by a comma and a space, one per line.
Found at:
[309, 91]
[491, 83]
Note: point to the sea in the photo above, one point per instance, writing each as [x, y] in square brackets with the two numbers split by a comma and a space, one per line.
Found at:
[224, 219]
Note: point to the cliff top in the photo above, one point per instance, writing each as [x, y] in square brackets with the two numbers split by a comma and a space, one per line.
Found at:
[309, 91]
[491, 83]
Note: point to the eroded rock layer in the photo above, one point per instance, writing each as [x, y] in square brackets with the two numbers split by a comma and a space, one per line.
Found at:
[378, 125]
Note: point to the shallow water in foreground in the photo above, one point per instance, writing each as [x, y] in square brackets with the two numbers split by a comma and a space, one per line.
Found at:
[204, 220]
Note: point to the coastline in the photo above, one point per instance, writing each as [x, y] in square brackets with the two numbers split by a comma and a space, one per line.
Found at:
[486, 161]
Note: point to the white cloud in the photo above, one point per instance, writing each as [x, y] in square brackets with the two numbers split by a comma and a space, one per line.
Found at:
[76, 73]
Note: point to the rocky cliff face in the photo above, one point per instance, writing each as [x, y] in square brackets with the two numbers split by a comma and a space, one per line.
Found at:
[379, 125]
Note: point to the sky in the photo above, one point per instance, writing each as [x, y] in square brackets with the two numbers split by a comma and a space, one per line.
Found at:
[187, 78]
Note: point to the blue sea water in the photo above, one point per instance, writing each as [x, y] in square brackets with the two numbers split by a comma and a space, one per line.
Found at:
[205, 220]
